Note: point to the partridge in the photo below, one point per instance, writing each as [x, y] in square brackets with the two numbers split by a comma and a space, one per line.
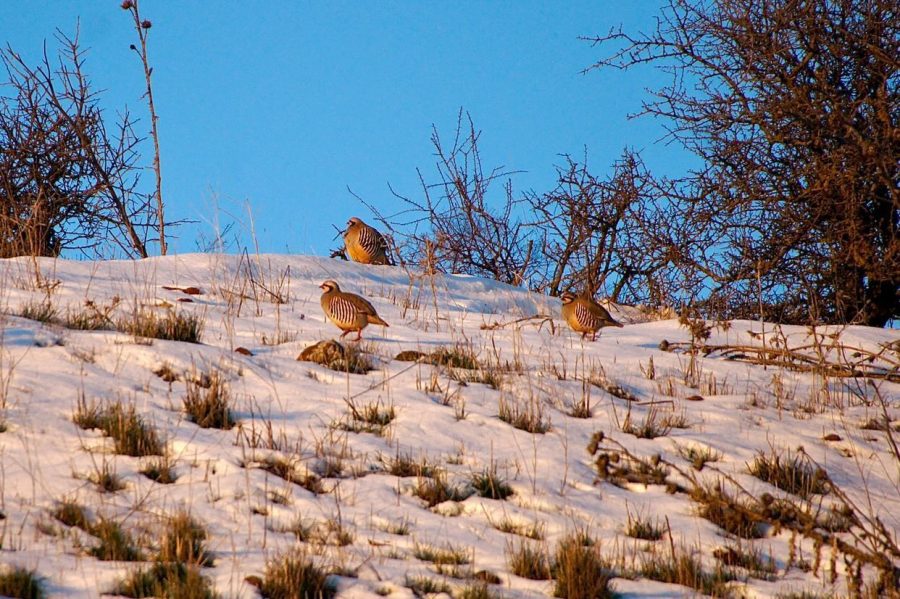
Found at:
[348, 311]
[364, 243]
[585, 315]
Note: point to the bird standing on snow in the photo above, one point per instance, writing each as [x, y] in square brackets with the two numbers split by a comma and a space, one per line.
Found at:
[585, 315]
[348, 311]
[364, 243]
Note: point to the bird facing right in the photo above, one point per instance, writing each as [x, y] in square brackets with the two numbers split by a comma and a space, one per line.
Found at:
[585, 315]
[364, 243]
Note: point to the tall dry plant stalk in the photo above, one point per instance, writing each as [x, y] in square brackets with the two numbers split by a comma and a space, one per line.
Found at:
[142, 27]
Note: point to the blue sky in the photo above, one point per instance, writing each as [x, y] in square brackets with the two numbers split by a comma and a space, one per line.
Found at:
[281, 106]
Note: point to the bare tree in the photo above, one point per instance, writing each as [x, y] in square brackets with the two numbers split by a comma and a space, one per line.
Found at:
[597, 234]
[793, 107]
[453, 227]
[66, 181]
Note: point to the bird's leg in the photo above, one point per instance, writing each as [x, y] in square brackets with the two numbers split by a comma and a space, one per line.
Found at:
[344, 334]
[359, 335]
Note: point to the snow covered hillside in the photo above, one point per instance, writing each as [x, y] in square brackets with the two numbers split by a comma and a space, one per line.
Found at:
[510, 459]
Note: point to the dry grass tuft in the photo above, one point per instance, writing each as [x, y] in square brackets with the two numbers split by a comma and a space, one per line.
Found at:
[183, 540]
[580, 571]
[651, 427]
[115, 544]
[404, 465]
[682, 568]
[698, 455]
[286, 469]
[171, 580]
[132, 436]
[642, 528]
[172, 326]
[726, 512]
[19, 583]
[528, 560]
[789, 472]
[207, 402]
[294, 575]
[437, 490]
[488, 484]
[527, 416]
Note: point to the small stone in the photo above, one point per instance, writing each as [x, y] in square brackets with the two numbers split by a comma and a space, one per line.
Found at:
[409, 355]
[254, 581]
[323, 352]
[243, 351]
[831, 437]
[694, 398]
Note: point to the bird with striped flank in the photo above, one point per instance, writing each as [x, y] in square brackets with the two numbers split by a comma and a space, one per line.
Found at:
[585, 315]
[364, 243]
[350, 312]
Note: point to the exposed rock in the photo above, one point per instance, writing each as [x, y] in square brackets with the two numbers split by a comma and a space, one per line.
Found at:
[327, 353]
[410, 355]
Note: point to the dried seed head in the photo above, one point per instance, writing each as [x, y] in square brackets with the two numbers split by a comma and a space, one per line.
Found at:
[146, 24]
[127, 4]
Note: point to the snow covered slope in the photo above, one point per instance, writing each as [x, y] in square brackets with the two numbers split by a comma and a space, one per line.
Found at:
[371, 527]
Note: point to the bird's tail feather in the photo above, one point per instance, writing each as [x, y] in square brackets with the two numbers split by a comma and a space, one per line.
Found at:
[375, 319]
